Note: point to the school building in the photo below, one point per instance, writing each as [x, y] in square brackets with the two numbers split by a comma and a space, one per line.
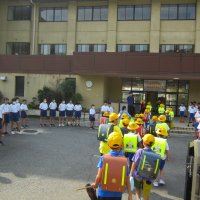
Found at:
[109, 46]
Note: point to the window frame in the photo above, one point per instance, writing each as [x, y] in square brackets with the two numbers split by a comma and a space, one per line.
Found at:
[132, 48]
[91, 48]
[14, 13]
[177, 48]
[51, 48]
[14, 47]
[54, 10]
[19, 90]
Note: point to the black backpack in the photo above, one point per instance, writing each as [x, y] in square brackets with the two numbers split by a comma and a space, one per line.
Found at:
[104, 131]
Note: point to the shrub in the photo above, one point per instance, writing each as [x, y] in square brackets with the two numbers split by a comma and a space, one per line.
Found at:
[1, 96]
[77, 98]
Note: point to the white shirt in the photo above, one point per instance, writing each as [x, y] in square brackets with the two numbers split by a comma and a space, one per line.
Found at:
[43, 106]
[69, 106]
[24, 107]
[92, 111]
[14, 108]
[1, 112]
[53, 105]
[197, 116]
[167, 149]
[182, 108]
[62, 107]
[78, 107]
[191, 109]
[110, 109]
[18, 106]
[5, 108]
[104, 108]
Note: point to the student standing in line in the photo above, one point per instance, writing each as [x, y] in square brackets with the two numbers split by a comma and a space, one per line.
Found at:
[6, 115]
[52, 107]
[69, 113]
[43, 112]
[92, 113]
[24, 114]
[1, 119]
[77, 109]
[182, 110]
[61, 109]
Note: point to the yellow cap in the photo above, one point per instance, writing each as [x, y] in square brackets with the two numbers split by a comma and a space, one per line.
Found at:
[106, 114]
[125, 121]
[147, 111]
[162, 131]
[113, 117]
[141, 115]
[132, 126]
[124, 115]
[167, 111]
[154, 118]
[115, 140]
[162, 118]
[162, 105]
[139, 121]
[148, 139]
[137, 115]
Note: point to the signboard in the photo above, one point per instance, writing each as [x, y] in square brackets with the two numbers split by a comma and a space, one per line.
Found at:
[155, 85]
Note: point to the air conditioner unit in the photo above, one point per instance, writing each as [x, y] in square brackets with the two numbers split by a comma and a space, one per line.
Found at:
[3, 78]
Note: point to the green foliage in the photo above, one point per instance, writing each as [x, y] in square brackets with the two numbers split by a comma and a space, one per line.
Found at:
[77, 98]
[64, 90]
[67, 88]
[33, 104]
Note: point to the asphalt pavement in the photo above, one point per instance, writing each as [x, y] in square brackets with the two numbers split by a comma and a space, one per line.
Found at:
[51, 163]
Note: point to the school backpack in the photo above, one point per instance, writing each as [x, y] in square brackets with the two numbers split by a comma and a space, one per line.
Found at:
[114, 176]
[148, 165]
[103, 131]
[152, 129]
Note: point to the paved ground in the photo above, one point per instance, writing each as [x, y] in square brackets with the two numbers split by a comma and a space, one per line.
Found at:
[53, 162]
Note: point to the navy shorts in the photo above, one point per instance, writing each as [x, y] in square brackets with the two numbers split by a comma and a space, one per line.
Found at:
[43, 113]
[19, 114]
[77, 114]
[0, 123]
[62, 113]
[192, 116]
[91, 118]
[162, 164]
[69, 113]
[15, 117]
[23, 114]
[195, 125]
[182, 113]
[7, 118]
[52, 113]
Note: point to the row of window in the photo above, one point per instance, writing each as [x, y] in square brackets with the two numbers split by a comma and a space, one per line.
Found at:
[18, 48]
[100, 13]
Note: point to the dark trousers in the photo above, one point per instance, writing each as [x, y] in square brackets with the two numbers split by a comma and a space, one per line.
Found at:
[131, 110]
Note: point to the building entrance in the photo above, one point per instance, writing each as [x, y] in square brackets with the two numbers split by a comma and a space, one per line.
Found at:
[152, 97]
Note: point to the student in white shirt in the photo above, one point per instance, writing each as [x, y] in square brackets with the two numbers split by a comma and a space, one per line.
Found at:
[104, 108]
[77, 109]
[43, 112]
[192, 111]
[69, 113]
[61, 109]
[6, 115]
[92, 113]
[182, 110]
[52, 107]
[110, 108]
[24, 114]
[14, 114]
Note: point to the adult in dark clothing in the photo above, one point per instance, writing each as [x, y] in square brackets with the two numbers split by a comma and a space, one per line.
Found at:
[130, 101]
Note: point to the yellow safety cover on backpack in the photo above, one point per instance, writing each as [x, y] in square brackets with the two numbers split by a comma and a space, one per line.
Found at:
[130, 143]
[159, 146]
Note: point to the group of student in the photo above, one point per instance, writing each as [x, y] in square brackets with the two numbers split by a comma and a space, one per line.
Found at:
[133, 152]
[13, 113]
[69, 113]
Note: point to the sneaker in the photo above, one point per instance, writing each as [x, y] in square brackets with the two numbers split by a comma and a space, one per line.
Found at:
[155, 183]
[161, 182]
[1, 143]
[59, 125]
[63, 125]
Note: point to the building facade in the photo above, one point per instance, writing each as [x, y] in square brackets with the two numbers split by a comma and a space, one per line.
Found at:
[110, 47]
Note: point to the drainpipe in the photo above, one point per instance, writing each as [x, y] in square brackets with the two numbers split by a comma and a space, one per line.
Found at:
[33, 27]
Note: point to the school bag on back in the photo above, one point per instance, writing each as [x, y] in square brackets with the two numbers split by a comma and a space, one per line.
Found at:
[152, 129]
[148, 166]
[103, 131]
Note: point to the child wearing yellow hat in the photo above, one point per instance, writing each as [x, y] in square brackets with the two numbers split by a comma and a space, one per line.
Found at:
[162, 123]
[140, 130]
[161, 147]
[152, 125]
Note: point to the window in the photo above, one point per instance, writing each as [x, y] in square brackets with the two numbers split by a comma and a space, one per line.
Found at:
[92, 13]
[53, 14]
[172, 86]
[91, 47]
[53, 49]
[19, 86]
[136, 12]
[17, 48]
[178, 12]
[179, 48]
[19, 13]
[132, 48]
